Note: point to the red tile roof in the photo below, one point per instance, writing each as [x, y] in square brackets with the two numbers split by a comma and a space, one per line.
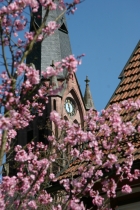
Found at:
[130, 79]
[129, 86]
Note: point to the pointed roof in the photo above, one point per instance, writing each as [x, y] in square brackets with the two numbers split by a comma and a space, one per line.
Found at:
[130, 79]
[57, 46]
[54, 47]
[129, 86]
[88, 97]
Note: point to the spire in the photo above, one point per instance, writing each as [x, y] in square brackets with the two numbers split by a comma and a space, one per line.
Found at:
[88, 97]
[54, 47]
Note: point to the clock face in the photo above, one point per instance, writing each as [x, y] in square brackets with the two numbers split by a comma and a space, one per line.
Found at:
[70, 106]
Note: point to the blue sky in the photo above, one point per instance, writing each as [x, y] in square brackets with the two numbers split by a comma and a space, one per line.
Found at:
[107, 31]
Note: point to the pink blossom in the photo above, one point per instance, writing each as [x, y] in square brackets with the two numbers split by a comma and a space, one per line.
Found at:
[93, 193]
[50, 28]
[70, 63]
[65, 183]
[99, 173]
[112, 158]
[61, 5]
[138, 116]
[21, 156]
[109, 186]
[5, 123]
[51, 176]
[18, 148]
[32, 204]
[57, 207]
[75, 204]
[48, 4]
[29, 36]
[136, 173]
[86, 155]
[39, 164]
[54, 116]
[126, 189]
[9, 185]
[75, 152]
[98, 200]
[40, 38]
[44, 197]
[51, 71]
[19, 25]
[21, 68]
[130, 149]
[32, 75]
[76, 1]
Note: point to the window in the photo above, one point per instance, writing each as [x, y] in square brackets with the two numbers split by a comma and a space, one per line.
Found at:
[54, 104]
[63, 28]
[30, 136]
[76, 122]
[42, 136]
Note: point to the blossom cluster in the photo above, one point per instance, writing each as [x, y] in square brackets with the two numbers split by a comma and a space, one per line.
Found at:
[102, 151]
[23, 96]
[101, 157]
[24, 189]
[19, 110]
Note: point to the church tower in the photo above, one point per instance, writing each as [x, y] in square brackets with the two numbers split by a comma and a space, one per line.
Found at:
[68, 102]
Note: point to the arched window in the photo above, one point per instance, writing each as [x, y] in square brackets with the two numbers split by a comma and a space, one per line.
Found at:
[54, 104]
[41, 136]
[30, 136]
[76, 122]
[65, 118]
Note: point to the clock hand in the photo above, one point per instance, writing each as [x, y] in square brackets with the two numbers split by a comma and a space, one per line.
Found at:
[69, 107]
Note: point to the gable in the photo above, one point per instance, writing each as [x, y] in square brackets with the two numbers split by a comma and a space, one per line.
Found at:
[129, 86]
[73, 91]
[74, 88]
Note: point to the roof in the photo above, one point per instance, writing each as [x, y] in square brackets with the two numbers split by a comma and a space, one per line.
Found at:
[129, 86]
[88, 97]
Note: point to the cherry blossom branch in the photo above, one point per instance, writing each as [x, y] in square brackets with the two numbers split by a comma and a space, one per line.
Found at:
[3, 145]
[3, 52]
